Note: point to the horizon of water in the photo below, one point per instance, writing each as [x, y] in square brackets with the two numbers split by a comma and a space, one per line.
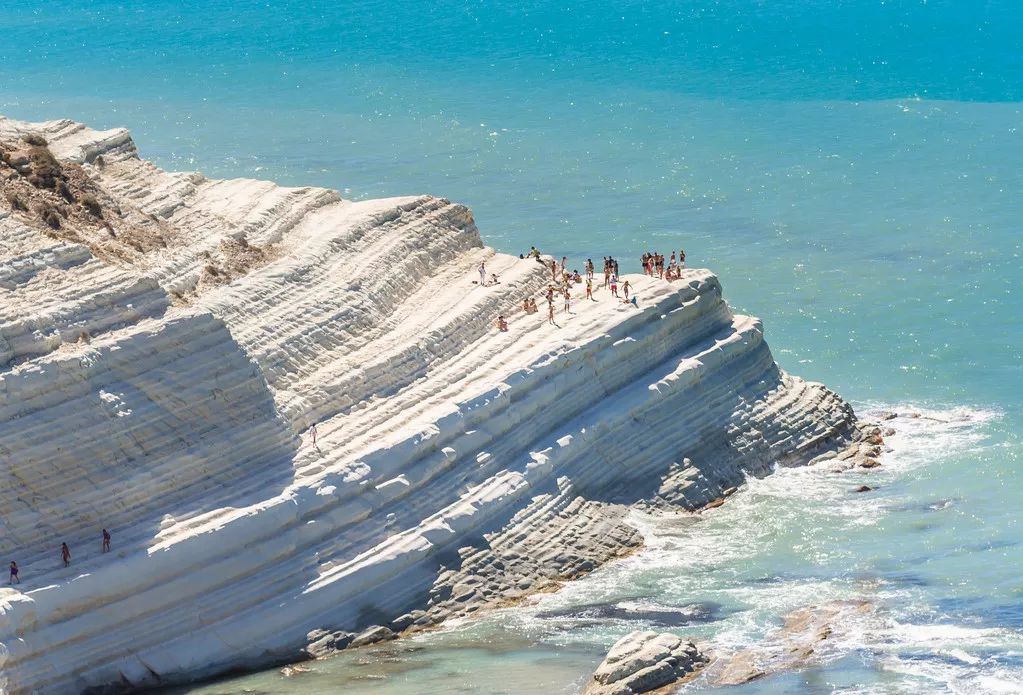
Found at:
[849, 169]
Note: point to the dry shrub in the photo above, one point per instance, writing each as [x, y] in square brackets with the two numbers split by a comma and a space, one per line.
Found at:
[16, 201]
[49, 215]
[92, 205]
[35, 139]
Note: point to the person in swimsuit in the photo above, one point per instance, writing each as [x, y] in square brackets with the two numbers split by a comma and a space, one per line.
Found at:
[625, 289]
[65, 554]
[106, 539]
[483, 273]
[14, 573]
[614, 285]
[589, 287]
[550, 311]
[568, 301]
[502, 325]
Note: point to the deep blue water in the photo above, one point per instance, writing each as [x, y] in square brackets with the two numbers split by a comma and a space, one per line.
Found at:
[851, 169]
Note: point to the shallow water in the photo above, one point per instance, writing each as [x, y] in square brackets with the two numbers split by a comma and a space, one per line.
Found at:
[851, 170]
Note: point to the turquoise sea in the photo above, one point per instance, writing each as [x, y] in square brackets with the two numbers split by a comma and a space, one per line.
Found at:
[852, 169]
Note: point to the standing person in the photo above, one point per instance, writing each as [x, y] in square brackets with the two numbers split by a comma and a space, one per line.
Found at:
[65, 554]
[614, 285]
[554, 270]
[625, 289]
[550, 311]
[607, 272]
[589, 268]
[106, 539]
[589, 287]
[564, 263]
[614, 266]
[483, 273]
[312, 432]
[681, 258]
[14, 573]
[568, 301]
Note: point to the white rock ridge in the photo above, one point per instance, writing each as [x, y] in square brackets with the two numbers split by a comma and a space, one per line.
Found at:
[166, 345]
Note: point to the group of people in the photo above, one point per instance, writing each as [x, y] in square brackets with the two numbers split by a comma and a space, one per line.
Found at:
[65, 556]
[654, 265]
[562, 279]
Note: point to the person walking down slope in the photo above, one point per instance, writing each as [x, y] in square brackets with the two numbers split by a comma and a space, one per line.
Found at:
[65, 554]
[625, 289]
[106, 541]
[14, 573]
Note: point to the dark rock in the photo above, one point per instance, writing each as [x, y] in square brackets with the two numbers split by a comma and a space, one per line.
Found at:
[372, 635]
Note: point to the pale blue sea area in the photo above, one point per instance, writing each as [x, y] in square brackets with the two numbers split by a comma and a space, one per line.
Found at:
[853, 171]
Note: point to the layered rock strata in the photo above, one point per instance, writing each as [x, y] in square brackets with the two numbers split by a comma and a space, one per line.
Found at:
[641, 662]
[168, 341]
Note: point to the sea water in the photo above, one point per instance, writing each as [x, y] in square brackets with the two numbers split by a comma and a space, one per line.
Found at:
[852, 171]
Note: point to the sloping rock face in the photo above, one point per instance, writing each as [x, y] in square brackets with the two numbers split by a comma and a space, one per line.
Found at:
[644, 661]
[168, 342]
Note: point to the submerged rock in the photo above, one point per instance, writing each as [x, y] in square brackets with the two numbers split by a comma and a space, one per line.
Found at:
[644, 661]
[795, 645]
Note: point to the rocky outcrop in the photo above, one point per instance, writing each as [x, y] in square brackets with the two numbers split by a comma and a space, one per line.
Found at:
[164, 381]
[644, 661]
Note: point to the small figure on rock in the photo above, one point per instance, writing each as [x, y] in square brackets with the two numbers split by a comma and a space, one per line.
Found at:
[483, 273]
[106, 541]
[14, 573]
[502, 325]
[589, 286]
[614, 285]
[550, 311]
[65, 554]
[625, 289]
[312, 432]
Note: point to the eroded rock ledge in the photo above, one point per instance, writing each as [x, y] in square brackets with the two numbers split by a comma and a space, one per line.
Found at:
[164, 355]
[642, 662]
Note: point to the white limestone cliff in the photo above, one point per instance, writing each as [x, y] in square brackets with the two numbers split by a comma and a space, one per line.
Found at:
[167, 341]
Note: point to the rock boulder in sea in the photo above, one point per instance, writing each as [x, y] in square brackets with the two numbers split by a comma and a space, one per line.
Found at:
[296, 418]
[644, 661]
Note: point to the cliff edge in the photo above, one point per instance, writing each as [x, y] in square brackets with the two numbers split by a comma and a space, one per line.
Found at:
[168, 341]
